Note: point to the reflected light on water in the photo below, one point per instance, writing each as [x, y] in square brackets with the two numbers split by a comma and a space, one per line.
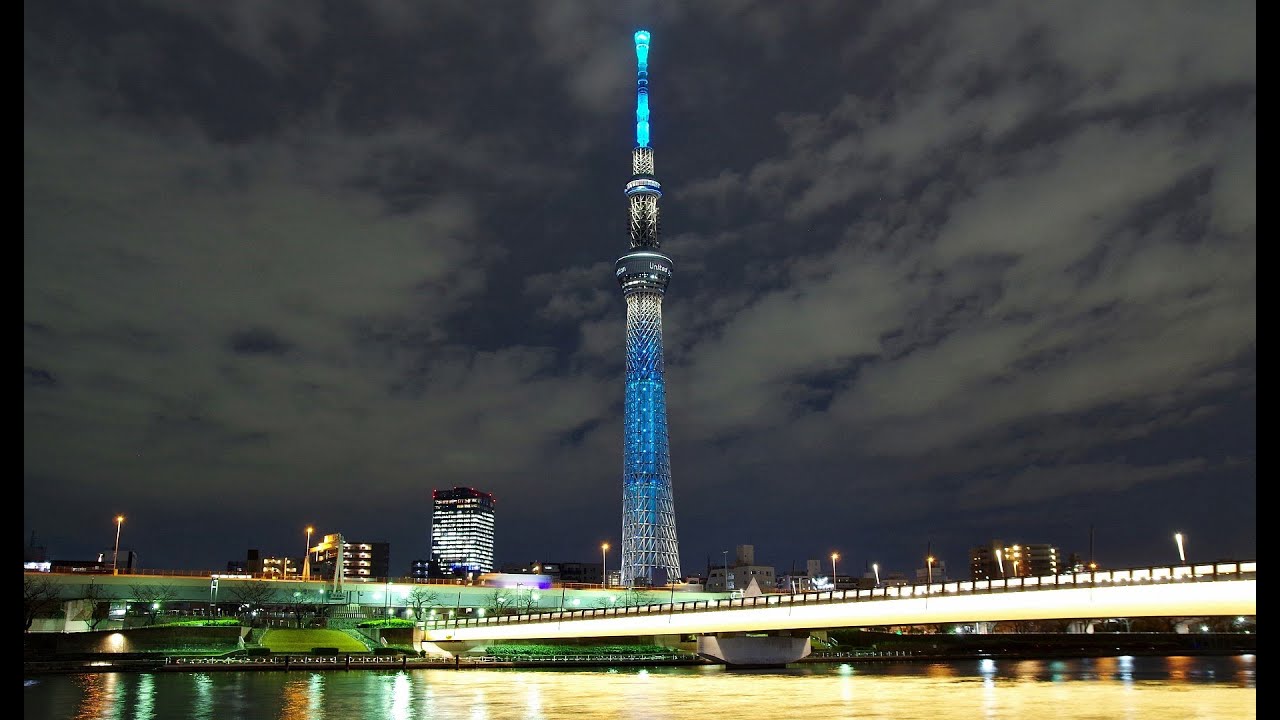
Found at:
[940, 670]
[1074, 689]
[99, 697]
[145, 704]
[300, 698]
[401, 697]
[202, 689]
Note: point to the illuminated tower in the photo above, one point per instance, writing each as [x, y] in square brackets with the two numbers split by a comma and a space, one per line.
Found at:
[650, 553]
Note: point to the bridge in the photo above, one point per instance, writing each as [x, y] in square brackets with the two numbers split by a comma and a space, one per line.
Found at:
[761, 629]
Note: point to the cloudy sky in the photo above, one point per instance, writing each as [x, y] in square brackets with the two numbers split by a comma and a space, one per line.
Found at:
[944, 273]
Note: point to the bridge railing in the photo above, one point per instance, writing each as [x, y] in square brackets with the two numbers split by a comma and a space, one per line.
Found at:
[1211, 572]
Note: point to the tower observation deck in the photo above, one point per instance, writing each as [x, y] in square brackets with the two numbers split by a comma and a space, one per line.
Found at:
[650, 552]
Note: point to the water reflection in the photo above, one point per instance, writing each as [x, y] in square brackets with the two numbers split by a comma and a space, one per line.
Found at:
[1075, 689]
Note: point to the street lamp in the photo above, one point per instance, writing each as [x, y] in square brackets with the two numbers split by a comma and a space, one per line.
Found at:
[115, 556]
[929, 560]
[875, 568]
[306, 558]
[1182, 555]
[834, 557]
[1000, 559]
[725, 553]
[604, 571]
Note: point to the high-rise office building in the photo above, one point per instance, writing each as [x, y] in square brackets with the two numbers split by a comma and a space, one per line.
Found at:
[650, 552]
[462, 530]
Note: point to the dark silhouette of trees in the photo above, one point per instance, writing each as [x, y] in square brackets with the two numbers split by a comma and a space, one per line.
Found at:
[40, 596]
[152, 598]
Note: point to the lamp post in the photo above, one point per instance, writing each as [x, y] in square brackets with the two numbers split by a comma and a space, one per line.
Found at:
[604, 569]
[834, 557]
[875, 568]
[725, 553]
[1182, 555]
[115, 555]
[1000, 559]
[306, 558]
[929, 561]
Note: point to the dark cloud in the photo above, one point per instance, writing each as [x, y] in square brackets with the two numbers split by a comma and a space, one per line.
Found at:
[257, 341]
[942, 274]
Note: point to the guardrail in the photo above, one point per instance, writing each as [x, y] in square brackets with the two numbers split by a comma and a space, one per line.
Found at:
[1213, 572]
[290, 661]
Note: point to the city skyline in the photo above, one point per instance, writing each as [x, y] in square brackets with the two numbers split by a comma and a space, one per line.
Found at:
[946, 274]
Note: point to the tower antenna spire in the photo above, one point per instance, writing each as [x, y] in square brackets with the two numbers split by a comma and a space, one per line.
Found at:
[642, 88]
[650, 552]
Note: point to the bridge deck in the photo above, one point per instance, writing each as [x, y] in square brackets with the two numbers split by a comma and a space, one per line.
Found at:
[1191, 590]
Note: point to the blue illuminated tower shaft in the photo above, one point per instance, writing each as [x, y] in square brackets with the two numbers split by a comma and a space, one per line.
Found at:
[650, 553]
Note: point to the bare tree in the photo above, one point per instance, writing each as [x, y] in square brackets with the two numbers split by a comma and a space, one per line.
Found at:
[525, 601]
[95, 597]
[40, 596]
[252, 595]
[153, 598]
[629, 597]
[305, 605]
[421, 600]
[499, 603]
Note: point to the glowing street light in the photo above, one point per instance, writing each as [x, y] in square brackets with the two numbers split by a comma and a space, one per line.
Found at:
[875, 567]
[1182, 555]
[1000, 560]
[929, 561]
[306, 558]
[834, 557]
[604, 571]
[115, 556]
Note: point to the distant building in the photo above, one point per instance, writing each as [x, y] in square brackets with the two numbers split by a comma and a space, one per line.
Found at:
[33, 553]
[269, 566]
[937, 572]
[738, 576]
[102, 564]
[893, 579]
[422, 570]
[462, 524]
[568, 573]
[360, 560]
[998, 560]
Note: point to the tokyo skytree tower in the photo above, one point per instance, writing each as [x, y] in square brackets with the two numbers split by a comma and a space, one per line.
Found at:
[650, 552]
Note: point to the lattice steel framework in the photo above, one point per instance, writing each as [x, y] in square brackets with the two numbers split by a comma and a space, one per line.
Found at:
[650, 552]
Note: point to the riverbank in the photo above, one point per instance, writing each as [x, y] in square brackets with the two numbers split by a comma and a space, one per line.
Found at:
[928, 650]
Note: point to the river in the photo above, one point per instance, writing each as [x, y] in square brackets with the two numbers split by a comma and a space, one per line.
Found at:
[1132, 688]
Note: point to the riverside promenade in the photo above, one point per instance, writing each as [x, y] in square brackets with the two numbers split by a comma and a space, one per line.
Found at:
[916, 648]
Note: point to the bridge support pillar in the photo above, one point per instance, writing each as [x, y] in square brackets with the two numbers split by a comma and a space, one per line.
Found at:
[740, 650]
[1081, 627]
[983, 628]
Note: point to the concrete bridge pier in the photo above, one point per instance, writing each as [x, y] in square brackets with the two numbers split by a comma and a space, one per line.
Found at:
[1083, 627]
[755, 650]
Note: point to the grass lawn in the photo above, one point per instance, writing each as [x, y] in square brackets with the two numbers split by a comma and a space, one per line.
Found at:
[301, 641]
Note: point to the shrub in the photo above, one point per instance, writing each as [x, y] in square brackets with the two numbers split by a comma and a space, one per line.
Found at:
[257, 651]
[209, 622]
[386, 623]
[324, 651]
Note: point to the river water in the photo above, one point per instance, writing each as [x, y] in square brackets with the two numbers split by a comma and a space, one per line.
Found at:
[1131, 688]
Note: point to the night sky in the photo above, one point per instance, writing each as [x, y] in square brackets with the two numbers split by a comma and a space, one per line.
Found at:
[944, 273]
